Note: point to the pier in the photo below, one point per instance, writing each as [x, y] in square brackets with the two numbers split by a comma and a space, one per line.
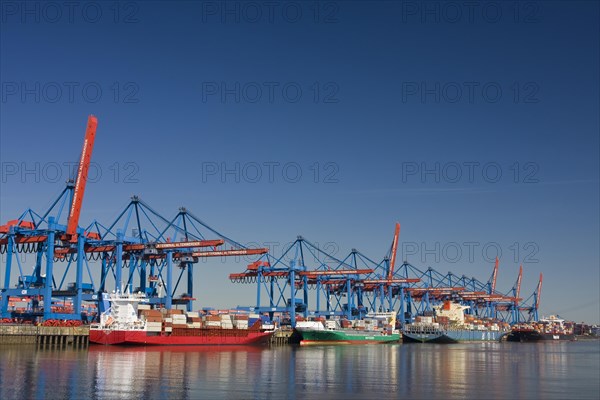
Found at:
[45, 336]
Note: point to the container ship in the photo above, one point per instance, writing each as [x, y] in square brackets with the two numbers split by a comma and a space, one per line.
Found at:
[130, 322]
[374, 328]
[450, 325]
[551, 328]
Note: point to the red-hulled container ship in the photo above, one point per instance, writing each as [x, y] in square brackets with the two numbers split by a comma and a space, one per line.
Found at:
[130, 322]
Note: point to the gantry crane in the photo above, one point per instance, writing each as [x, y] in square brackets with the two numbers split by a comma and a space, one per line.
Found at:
[152, 252]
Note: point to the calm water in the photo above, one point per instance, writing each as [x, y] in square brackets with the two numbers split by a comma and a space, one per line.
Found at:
[481, 371]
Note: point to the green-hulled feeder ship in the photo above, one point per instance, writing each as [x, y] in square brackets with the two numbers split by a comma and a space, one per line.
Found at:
[374, 328]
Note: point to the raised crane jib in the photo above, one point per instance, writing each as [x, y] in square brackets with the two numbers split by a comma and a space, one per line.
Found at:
[394, 249]
[518, 289]
[81, 180]
[538, 292]
[495, 275]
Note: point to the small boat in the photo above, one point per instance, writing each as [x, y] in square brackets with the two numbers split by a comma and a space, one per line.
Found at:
[130, 322]
[449, 325]
[551, 328]
[374, 328]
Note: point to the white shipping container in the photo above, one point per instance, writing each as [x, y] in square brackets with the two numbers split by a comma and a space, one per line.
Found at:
[153, 328]
[143, 306]
[168, 319]
[193, 314]
[168, 329]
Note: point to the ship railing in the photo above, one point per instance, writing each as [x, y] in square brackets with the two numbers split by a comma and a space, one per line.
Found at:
[119, 326]
[422, 329]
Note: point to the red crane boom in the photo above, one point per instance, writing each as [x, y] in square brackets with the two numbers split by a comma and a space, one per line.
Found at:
[81, 180]
[518, 291]
[394, 249]
[495, 275]
[539, 292]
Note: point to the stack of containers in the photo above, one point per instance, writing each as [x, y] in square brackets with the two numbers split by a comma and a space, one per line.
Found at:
[179, 319]
[361, 325]
[241, 321]
[153, 320]
[194, 320]
[168, 322]
[212, 322]
[331, 324]
[226, 322]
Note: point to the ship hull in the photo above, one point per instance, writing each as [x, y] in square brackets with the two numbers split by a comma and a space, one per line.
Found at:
[415, 337]
[550, 336]
[535, 336]
[310, 337]
[451, 336]
[198, 337]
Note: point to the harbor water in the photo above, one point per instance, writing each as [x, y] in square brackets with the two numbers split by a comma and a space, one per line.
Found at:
[547, 370]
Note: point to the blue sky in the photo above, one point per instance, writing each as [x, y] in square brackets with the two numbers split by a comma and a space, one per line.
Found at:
[361, 98]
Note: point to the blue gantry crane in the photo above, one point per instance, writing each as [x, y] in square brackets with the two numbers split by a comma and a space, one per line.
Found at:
[139, 250]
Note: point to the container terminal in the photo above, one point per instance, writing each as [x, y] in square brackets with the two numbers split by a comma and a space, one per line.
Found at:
[154, 255]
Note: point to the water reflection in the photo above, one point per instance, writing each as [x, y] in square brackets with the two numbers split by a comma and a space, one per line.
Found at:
[490, 370]
[174, 372]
